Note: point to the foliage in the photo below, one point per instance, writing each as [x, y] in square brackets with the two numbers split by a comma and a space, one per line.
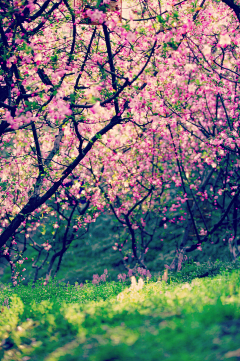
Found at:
[201, 270]
[196, 320]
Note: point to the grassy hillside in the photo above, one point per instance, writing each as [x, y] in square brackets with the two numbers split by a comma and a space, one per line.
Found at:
[197, 320]
[94, 253]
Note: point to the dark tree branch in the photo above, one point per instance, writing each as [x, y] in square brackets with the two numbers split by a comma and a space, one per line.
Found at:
[234, 7]
[38, 150]
[6, 106]
[85, 59]
[112, 67]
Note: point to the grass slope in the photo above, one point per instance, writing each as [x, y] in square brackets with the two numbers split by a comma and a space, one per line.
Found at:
[94, 253]
[198, 320]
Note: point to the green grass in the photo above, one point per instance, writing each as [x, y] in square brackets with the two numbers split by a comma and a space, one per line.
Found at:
[95, 249]
[197, 320]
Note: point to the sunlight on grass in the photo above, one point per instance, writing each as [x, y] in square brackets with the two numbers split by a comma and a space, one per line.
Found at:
[197, 320]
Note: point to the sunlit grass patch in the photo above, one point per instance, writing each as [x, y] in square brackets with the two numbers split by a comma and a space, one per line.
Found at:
[197, 320]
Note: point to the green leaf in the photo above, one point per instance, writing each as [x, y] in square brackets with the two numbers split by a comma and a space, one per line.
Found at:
[173, 45]
[176, 15]
[54, 58]
[160, 19]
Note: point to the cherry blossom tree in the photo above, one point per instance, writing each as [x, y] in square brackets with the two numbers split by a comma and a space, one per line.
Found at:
[58, 98]
[142, 112]
[197, 98]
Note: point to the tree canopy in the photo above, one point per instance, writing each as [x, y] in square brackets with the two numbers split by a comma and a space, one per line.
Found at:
[137, 116]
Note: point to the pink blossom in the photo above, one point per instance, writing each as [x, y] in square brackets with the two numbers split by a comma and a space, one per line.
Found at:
[131, 37]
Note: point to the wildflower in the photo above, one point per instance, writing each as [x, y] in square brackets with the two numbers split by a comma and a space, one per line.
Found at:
[165, 275]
